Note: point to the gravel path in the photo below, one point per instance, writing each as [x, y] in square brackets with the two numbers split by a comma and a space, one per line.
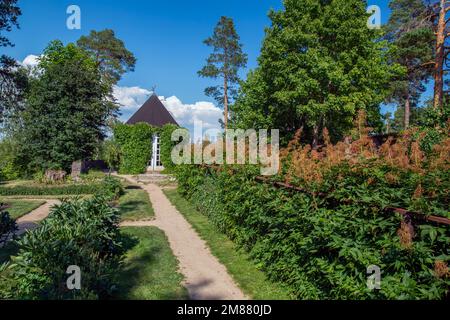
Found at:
[31, 220]
[205, 277]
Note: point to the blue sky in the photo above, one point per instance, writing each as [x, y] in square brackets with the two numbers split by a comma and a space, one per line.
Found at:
[165, 36]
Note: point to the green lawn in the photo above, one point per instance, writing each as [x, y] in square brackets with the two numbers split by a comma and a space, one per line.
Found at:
[20, 208]
[251, 280]
[135, 205]
[150, 270]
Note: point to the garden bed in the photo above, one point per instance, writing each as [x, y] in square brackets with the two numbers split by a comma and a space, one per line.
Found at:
[19, 208]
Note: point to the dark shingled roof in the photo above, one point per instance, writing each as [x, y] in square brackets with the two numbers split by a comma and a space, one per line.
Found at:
[154, 113]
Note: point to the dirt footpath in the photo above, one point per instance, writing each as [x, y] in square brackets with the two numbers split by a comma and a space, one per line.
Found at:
[205, 277]
[31, 221]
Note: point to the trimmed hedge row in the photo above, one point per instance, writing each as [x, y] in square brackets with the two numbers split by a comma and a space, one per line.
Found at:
[321, 247]
[109, 187]
[76, 189]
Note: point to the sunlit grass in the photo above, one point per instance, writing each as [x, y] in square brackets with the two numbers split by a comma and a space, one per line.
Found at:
[150, 270]
[243, 270]
[135, 205]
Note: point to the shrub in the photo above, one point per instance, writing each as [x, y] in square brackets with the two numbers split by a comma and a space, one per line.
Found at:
[112, 188]
[321, 241]
[167, 145]
[81, 233]
[109, 186]
[111, 154]
[75, 189]
[135, 142]
[93, 176]
[9, 170]
[7, 226]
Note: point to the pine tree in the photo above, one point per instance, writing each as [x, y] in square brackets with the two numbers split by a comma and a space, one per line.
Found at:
[412, 37]
[319, 65]
[110, 53]
[11, 81]
[224, 62]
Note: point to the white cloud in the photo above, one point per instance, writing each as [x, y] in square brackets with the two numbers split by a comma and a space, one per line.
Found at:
[130, 98]
[30, 61]
[187, 114]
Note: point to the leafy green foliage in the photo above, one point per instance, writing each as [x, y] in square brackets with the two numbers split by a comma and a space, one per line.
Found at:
[81, 233]
[167, 145]
[321, 248]
[7, 226]
[135, 142]
[10, 83]
[110, 152]
[9, 169]
[321, 241]
[66, 111]
[112, 188]
[109, 185]
[319, 66]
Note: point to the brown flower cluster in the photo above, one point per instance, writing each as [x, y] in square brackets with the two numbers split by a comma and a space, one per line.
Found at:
[441, 269]
[401, 152]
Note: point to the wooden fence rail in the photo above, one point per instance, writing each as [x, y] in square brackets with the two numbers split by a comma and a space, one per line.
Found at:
[415, 216]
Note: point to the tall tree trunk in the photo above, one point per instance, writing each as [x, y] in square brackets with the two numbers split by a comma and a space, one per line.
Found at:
[315, 141]
[225, 102]
[440, 57]
[407, 110]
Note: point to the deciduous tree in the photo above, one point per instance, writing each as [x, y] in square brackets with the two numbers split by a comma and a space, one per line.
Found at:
[66, 111]
[319, 65]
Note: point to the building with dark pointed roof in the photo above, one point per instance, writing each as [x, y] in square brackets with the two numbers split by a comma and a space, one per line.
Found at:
[154, 113]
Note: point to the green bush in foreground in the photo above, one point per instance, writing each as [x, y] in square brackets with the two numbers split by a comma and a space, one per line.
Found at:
[79, 233]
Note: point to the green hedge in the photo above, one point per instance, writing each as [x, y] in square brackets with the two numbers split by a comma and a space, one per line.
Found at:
[78, 233]
[135, 142]
[321, 247]
[167, 145]
[76, 189]
[109, 187]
